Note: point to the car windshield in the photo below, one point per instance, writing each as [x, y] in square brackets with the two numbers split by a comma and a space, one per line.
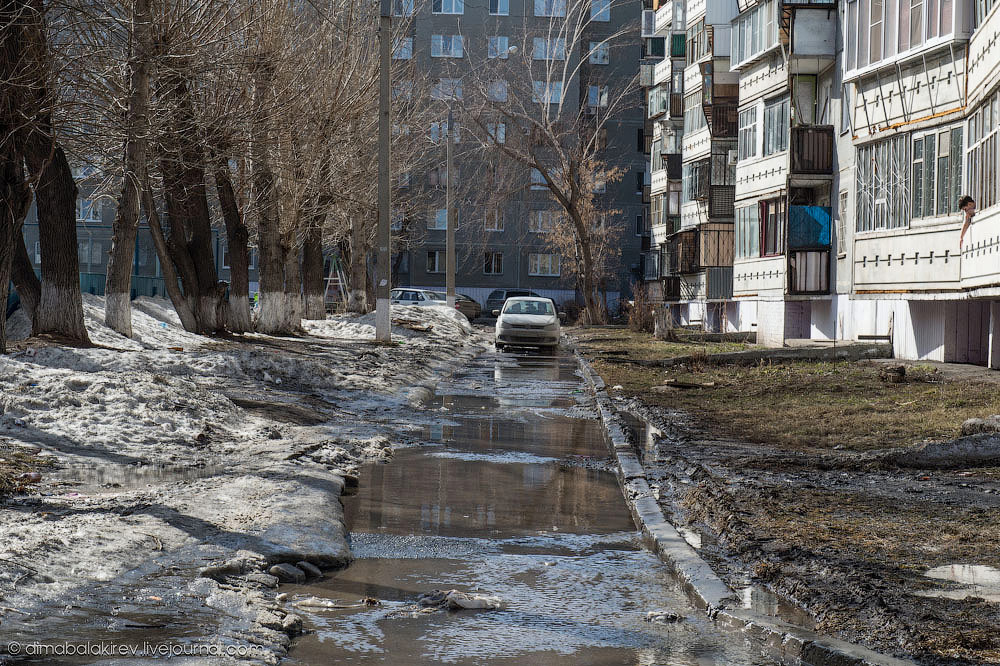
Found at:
[528, 308]
[439, 295]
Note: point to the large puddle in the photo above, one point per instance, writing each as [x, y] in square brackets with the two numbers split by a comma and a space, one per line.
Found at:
[510, 498]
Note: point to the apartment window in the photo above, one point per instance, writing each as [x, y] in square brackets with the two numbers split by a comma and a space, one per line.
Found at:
[641, 180]
[498, 47]
[983, 153]
[497, 132]
[747, 142]
[641, 228]
[694, 114]
[547, 92]
[447, 46]
[697, 42]
[494, 220]
[597, 96]
[599, 53]
[404, 49]
[656, 155]
[438, 219]
[396, 223]
[439, 131]
[493, 263]
[550, 7]
[694, 179]
[747, 231]
[402, 7]
[448, 6]
[983, 7]
[438, 177]
[879, 29]
[402, 90]
[404, 179]
[38, 253]
[754, 31]
[772, 222]
[538, 180]
[496, 91]
[542, 221]
[845, 109]
[600, 183]
[842, 224]
[549, 48]
[776, 126]
[88, 210]
[500, 7]
[544, 265]
[883, 184]
[656, 212]
[447, 89]
[600, 10]
[435, 261]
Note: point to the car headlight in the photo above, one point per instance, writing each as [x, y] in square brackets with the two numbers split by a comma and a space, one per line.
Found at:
[554, 326]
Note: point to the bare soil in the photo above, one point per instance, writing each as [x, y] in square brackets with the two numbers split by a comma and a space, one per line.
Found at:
[774, 466]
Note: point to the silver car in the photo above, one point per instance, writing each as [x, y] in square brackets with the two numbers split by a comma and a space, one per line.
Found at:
[527, 322]
[416, 297]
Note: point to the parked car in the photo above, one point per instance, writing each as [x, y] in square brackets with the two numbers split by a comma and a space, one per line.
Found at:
[527, 322]
[497, 297]
[416, 297]
[470, 307]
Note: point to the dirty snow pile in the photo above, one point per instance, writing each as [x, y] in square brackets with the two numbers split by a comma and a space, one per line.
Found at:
[408, 321]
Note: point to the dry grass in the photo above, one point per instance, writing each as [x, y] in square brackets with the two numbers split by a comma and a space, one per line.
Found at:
[799, 404]
[13, 463]
[644, 346]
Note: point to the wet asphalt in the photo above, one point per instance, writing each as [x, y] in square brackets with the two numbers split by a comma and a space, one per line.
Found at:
[506, 491]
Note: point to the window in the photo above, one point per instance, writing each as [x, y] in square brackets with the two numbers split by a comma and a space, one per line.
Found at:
[601, 183]
[547, 92]
[440, 129]
[402, 90]
[397, 221]
[435, 261]
[447, 46]
[747, 231]
[497, 132]
[842, 223]
[546, 265]
[88, 210]
[500, 7]
[879, 29]
[694, 114]
[545, 48]
[599, 53]
[772, 221]
[747, 142]
[498, 47]
[404, 49]
[542, 221]
[597, 96]
[438, 219]
[983, 153]
[776, 126]
[983, 7]
[494, 220]
[550, 7]
[448, 6]
[38, 253]
[447, 89]
[845, 109]
[538, 180]
[694, 179]
[404, 179]
[883, 184]
[493, 263]
[496, 91]
[641, 228]
[754, 31]
[438, 177]
[402, 7]
[600, 10]
[697, 42]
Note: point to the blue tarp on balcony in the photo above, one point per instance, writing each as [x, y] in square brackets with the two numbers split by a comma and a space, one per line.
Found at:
[808, 227]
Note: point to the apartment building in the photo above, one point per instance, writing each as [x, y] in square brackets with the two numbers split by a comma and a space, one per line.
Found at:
[506, 247]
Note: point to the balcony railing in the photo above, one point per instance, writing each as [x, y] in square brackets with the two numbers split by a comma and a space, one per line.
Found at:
[676, 105]
[721, 201]
[811, 150]
[677, 45]
[682, 253]
[719, 283]
[809, 271]
[671, 287]
[723, 120]
[715, 245]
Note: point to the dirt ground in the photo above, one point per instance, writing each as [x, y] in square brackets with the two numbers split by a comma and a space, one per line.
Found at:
[774, 467]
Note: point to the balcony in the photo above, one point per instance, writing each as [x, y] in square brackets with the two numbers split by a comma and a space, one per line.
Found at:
[721, 201]
[658, 101]
[723, 120]
[664, 17]
[682, 253]
[809, 271]
[811, 150]
[671, 285]
[715, 245]
[677, 45]
[809, 227]
[719, 283]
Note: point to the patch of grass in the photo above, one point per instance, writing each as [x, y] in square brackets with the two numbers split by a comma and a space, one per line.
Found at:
[801, 404]
[13, 463]
[639, 345]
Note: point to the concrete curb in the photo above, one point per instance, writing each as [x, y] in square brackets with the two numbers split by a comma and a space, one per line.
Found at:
[786, 643]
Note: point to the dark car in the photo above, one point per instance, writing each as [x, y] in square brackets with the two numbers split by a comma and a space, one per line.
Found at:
[470, 307]
[498, 297]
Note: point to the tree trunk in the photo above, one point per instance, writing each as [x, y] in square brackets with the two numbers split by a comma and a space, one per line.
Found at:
[590, 301]
[237, 238]
[118, 285]
[28, 286]
[273, 315]
[357, 280]
[312, 272]
[293, 284]
[15, 199]
[181, 304]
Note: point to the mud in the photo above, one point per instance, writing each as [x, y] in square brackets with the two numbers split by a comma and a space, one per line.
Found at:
[859, 546]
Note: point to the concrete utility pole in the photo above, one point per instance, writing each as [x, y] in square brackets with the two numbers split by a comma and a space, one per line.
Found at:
[450, 216]
[383, 239]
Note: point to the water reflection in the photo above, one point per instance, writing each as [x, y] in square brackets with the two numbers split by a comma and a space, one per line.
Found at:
[976, 581]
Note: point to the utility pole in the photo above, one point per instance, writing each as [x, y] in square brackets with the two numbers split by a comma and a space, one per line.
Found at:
[383, 240]
[450, 216]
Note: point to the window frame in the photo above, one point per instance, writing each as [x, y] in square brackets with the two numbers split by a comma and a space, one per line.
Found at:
[454, 7]
[535, 264]
[440, 262]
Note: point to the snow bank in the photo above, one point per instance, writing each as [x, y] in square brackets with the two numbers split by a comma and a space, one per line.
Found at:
[444, 322]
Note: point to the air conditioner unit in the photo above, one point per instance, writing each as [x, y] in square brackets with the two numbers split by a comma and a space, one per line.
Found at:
[648, 23]
[734, 157]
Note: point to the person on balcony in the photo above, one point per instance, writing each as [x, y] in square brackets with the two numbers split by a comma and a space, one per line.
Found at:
[968, 206]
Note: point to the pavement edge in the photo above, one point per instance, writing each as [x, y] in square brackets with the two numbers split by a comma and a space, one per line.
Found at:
[785, 642]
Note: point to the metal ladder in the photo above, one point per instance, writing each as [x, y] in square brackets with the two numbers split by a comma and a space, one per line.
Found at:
[335, 283]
